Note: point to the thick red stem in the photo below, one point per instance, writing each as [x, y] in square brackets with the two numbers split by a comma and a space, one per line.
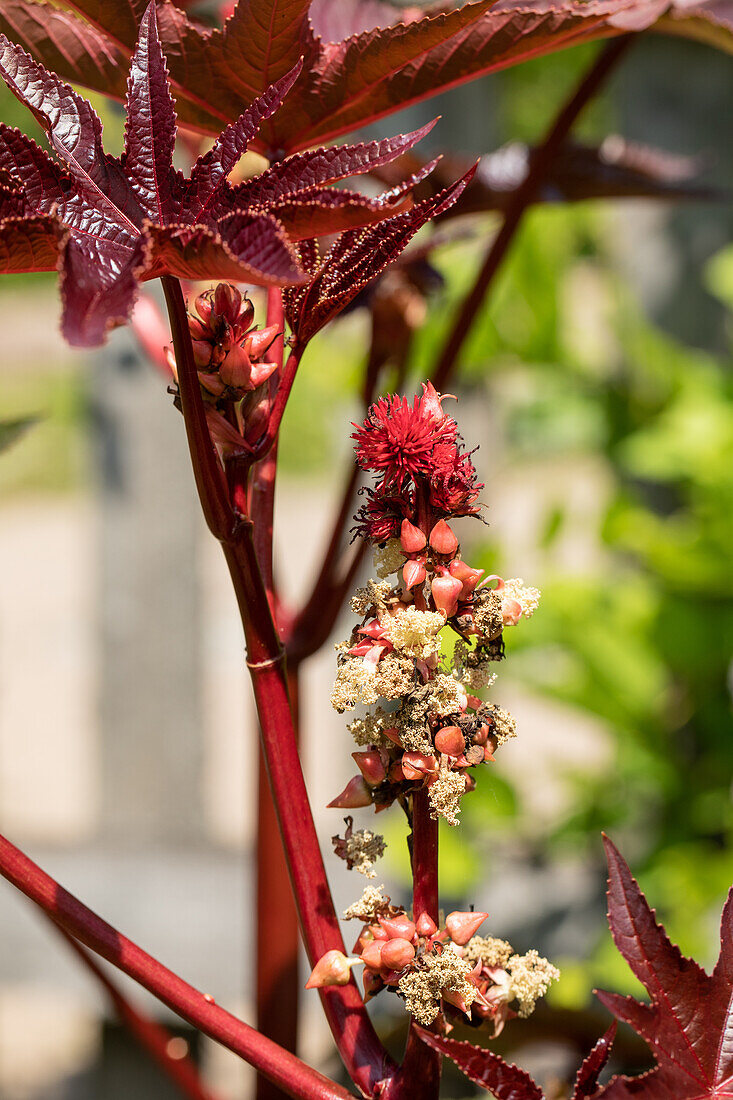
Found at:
[152, 1037]
[419, 1074]
[278, 988]
[364, 1056]
[293, 1076]
[522, 199]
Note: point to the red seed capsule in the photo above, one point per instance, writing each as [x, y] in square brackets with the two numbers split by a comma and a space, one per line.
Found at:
[397, 954]
[450, 740]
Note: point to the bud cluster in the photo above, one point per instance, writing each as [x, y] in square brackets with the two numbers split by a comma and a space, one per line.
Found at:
[433, 969]
[428, 728]
[231, 358]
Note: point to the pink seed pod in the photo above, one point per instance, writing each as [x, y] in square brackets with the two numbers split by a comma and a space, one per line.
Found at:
[411, 538]
[372, 984]
[413, 572]
[468, 577]
[393, 734]
[397, 954]
[333, 968]
[355, 794]
[446, 590]
[417, 766]
[426, 926]
[481, 736]
[371, 767]
[236, 370]
[372, 954]
[450, 740]
[511, 611]
[442, 539]
[204, 306]
[461, 926]
[398, 927]
[488, 754]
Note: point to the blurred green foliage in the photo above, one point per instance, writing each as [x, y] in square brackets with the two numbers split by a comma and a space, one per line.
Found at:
[641, 639]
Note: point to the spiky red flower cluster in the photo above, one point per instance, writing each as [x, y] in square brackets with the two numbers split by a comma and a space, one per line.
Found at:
[416, 451]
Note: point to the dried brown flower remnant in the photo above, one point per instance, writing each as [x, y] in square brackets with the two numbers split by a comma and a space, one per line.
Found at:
[369, 906]
[371, 598]
[360, 849]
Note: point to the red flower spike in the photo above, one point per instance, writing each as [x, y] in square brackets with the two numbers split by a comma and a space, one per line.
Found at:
[445, 591]
[412, 538]
[442, 539]
[333, 968]
[398, 927]
[450, 740]
[461, 926]
[371, 767]
[397, 954]
[355, 794]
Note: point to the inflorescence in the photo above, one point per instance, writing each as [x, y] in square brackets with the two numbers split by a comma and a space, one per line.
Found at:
[429, 637]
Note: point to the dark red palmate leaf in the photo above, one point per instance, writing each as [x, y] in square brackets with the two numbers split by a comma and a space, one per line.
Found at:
[355, 260]
[112, 223]
[508, 1082]
[344, 85]
[689, 1023]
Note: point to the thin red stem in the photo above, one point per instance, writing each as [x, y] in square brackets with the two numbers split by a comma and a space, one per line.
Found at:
[207, 471]
[293, 1076]
[522, 199]
[152, 1037]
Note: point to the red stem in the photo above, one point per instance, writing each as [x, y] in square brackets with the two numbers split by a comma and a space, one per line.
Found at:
[522, 199]
[419, 1074]
[364, 1056]
[151, 1036]
[207, 471]
[278, 989]
[293, 1076]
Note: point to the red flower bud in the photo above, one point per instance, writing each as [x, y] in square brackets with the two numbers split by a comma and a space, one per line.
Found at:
[461, 926]
[397, 954]
[260, 341]
[355, 794]
[370, 765]
[203, 306]
[413, 572]
[372, 984]
[417, 766]
[398, 927]
[450, 740]
[411, 537]
[442, 539]
[333, 968]
[426, 926]
[227, 302]
[446, 590]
